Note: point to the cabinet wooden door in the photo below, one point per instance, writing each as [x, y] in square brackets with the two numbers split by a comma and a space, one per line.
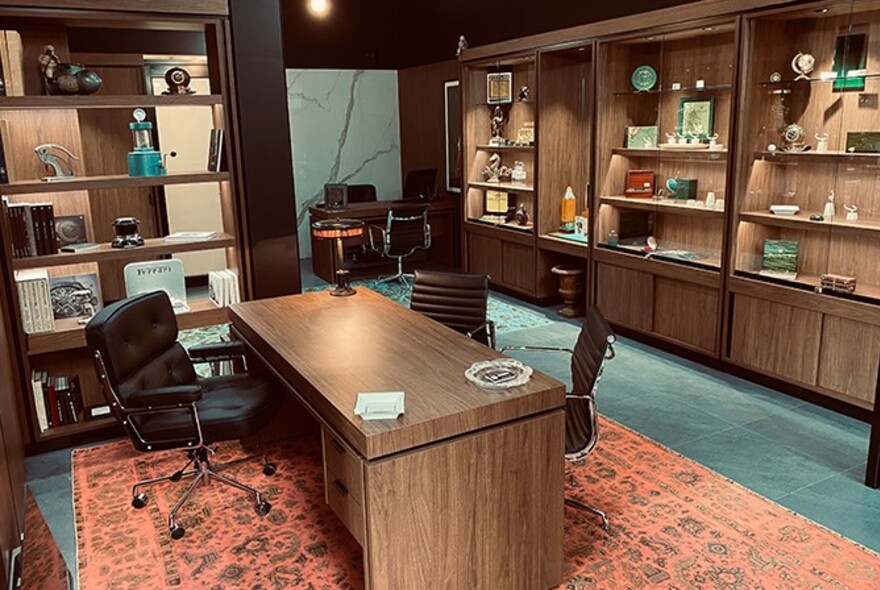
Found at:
[484, 256]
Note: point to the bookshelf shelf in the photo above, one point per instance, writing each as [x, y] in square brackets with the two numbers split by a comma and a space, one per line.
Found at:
[669, 206]
[78, 428]
[32, 187]
[103, 253]
[69, 335]
[106, 102]
[802, 221]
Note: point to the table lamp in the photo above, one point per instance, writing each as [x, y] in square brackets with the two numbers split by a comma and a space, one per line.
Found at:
[338, 229]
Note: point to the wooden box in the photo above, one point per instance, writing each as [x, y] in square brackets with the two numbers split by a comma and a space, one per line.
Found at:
[639, 184]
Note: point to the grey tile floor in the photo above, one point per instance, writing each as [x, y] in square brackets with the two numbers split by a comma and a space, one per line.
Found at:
[806, 458]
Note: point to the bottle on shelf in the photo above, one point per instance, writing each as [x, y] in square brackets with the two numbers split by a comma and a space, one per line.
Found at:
[569, 204]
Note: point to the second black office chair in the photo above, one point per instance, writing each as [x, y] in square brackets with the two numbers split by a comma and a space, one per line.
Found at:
[153, 390]
[406, 230]
[459, 301]
[594, 346]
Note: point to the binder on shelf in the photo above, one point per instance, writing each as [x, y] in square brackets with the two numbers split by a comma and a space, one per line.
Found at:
[223, 288]
[35, 303]
[39, 400]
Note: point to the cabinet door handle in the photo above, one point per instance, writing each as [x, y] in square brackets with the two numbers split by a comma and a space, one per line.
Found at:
[340, 487]
[337, 445]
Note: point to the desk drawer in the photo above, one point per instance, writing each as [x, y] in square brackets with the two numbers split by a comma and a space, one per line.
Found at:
[345, 505]
[344, 462]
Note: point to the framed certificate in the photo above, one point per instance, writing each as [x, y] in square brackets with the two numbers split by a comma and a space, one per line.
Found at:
[499, 88]
[497, 202]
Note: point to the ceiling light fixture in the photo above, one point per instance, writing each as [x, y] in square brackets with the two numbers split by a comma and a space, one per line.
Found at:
[709, 29]
[319, 8]
[821, 10]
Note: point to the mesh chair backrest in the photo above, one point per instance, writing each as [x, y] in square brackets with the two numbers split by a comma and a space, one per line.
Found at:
[586, 367]
[455, 300]
[406, 230]
[361, 193]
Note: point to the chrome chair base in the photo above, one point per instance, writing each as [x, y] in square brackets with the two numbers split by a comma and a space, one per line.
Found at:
[581, 506]
[402, 277]
[202, 472]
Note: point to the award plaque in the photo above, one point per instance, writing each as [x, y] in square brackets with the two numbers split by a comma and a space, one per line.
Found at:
[497, 202]
[499, 88]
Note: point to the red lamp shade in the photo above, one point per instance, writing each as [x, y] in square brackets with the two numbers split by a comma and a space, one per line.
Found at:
[329, 229]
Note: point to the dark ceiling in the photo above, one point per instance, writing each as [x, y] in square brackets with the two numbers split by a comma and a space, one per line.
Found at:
[393, 34]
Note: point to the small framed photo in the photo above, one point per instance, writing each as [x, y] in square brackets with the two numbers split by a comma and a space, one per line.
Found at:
[696, 116]
[526, 134]
[642, 137]
[335, 197]
[499, 88]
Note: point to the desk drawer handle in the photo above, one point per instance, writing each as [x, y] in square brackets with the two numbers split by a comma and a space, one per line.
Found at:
[340, 487]
[336, 445]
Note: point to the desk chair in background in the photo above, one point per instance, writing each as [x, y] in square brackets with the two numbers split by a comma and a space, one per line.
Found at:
[153, 390]
[406, 230]
[361, 193]
[594, 346]
[458, 301]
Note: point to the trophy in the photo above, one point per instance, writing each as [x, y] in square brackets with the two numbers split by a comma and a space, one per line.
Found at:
[497, 127]
[494, 171]
[803, 64]
[794, 136]
[852, 212]
[821, 142]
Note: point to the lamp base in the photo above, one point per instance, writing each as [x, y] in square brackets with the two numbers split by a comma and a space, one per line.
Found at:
[342, 291]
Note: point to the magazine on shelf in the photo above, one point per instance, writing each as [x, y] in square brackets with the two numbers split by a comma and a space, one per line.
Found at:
[223, 287]
[158, 275]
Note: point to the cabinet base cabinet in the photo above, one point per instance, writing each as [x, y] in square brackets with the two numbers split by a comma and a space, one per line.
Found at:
[510, 265]
[675, 310]
[832, 355]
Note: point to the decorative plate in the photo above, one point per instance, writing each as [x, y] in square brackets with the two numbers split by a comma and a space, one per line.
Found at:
[644, 78]
[498, 374]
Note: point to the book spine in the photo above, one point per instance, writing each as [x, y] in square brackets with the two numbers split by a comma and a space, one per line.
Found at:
[24, 307]
[48, 399]
[61, 395]
[19, 234]
[76, 398]
[15, 71]
[51, 236]
[46, 305]
[4, 169]
[36, 308]
[30, 224]
[40, 227]
[39, 407]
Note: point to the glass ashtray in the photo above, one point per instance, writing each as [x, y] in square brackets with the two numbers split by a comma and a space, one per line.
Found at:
[498, 374]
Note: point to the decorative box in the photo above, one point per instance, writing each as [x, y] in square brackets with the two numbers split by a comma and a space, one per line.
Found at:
[863, 142]
[642, 137]
[686, 189]
[639, 184]
[838, 283]
[780, 259]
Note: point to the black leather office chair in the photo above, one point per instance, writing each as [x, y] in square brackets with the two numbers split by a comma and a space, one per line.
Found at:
[406, 230]
[594, 346]
[361, 193]
[458, 301]
[153, 390]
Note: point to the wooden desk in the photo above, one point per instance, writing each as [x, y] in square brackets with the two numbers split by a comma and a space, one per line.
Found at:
[465, 490]
[444, 216]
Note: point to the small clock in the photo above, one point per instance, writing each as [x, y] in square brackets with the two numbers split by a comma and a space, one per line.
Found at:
[644, 78]
[178, 81]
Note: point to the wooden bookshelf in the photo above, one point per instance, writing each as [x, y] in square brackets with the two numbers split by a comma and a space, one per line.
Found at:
[812, 157]
[801, 221]
[719, 156]
[104, 252]
[81, 427]
[102, 101]
[505, 148]
[503, 186]
[110, 181]
[671, 206]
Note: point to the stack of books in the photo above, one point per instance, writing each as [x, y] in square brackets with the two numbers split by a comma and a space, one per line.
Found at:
[223, 287]
[57, 400]
[34, 300]
[33, 229]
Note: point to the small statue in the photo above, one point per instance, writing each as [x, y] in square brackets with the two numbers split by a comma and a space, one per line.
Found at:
[494, 171]
[852, 212]
[64, 78]
[497, 127]
[821, 142]
[462, 45]
[524, 93]
[828, 213]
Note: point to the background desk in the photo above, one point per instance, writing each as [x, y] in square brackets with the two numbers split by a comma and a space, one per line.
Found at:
[465, 490]
[444, 215]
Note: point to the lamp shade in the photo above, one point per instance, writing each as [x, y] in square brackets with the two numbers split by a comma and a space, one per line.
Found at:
[328, 229]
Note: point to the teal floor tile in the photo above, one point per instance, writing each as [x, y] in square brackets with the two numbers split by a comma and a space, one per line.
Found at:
[54, 497]
[759, 463]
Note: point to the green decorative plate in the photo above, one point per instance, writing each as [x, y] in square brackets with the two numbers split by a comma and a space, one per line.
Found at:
[644, 78]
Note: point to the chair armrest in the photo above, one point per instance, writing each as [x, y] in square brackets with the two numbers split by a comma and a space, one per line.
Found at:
[165, 396]
[489, 327]
[373, 241]
[216, 351]
[538, 349]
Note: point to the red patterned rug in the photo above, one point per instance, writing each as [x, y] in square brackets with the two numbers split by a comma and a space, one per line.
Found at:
[674, 525]
[43, 566]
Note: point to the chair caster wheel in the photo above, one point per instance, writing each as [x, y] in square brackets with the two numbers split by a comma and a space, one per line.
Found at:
[177, 532]
[139, 501]
[269, 469]
[263, 508]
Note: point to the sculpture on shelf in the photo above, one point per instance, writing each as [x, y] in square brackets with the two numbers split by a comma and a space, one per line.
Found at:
[803, 64]
[828, 213]
[58, 159]
[494, 171]
[794, 136]
[821, 142]
[852, 212]
[524, 93]
[66, 78]
[497, 127]
[462, 45]
[178, 82]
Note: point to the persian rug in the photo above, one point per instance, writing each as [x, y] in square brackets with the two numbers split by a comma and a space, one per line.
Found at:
[508, 317]
[43, 566]
[674, 525]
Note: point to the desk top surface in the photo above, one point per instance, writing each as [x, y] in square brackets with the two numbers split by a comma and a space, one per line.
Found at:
[329, 349]
[380, 208]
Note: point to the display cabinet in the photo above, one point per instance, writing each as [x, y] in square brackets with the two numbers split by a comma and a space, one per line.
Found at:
[805, 273]
[500, 123]
[666, 102]
[95, 128]
[566, 94]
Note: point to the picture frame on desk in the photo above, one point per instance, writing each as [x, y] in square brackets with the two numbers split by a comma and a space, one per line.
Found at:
[335, 197]
[452, 118]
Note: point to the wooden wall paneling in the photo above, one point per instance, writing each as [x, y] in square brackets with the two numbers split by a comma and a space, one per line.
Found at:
[484, 256]
[776, 338]
[687, 313]
[508, 520]
[848, 359]
[625, 296]
[422, 133]
[518, 266]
